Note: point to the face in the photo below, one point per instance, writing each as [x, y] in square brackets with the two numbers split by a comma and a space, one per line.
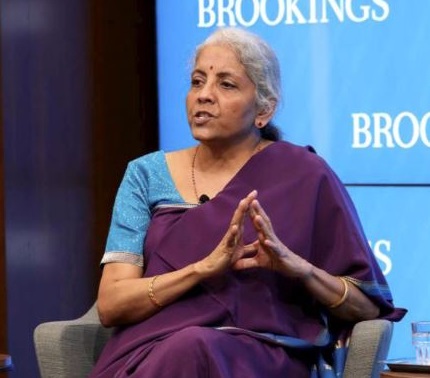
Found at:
[221, 103]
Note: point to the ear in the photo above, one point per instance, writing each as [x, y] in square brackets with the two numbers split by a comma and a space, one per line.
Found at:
[265, 115]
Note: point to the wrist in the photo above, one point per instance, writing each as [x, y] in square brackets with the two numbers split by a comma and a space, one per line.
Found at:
[307, 271]
[200, 270]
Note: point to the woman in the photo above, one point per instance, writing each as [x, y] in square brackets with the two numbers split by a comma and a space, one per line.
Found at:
[241, 256]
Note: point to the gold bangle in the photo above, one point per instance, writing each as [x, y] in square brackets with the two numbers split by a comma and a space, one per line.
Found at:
[151, 293]
[344, 295]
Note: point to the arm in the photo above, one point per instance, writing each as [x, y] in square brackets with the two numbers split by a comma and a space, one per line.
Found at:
[328, 290]
[325, 288]
[124, 293]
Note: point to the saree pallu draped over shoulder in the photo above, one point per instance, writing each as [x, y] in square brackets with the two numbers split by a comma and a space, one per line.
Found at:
[266, 317]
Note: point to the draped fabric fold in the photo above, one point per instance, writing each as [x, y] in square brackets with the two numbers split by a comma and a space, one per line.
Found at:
[311, 213]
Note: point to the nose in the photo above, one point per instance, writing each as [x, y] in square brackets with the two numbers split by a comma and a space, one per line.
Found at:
[206, 93]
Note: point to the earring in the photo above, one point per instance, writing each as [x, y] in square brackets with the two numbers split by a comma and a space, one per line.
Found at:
[259, 124]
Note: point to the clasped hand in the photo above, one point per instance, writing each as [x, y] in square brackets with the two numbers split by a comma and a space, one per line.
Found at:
[267, 251]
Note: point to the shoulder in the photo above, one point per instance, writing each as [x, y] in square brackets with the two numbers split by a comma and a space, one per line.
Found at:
[156, 157]
[147, 164]
[304, 163]
[310, 169]
[149, 176]
[140, 171]
[300, 158]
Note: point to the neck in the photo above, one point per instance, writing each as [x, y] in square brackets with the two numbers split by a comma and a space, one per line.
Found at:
[225, 154]
[207, 161]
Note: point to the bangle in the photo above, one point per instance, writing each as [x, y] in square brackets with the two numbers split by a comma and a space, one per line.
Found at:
[151, 293]
[344, 295]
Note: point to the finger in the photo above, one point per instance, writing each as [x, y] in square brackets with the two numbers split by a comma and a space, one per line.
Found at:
[258, 210]
[273, 245]
[235, 230]
[250, 249]
[248, 199]
[240, 212]
[252, 195]
[232, 236]
[246, 263]
[264, 228]
[243, 208]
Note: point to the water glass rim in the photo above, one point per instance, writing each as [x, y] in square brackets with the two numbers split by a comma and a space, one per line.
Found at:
[421, 326]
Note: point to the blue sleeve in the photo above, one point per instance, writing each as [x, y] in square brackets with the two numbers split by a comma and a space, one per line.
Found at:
[130, 218]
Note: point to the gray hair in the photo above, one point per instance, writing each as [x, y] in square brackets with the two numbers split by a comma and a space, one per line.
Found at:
[261, 66]
[258, 58]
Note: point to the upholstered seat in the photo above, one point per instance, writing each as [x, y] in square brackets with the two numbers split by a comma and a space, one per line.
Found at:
[69, 349]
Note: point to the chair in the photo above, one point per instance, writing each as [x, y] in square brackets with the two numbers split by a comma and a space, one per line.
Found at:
[5, 363]
[69, 349]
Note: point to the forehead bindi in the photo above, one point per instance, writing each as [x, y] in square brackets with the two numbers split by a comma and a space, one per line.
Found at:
[219, 55]
[219, 60]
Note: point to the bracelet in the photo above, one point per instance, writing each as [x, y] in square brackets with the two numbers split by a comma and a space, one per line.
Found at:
[151, 293]
[344, 295]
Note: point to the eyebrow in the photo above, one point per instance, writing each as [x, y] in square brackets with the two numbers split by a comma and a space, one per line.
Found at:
[220, 75]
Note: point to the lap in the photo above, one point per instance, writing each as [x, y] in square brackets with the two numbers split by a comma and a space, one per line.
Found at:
[208, 352]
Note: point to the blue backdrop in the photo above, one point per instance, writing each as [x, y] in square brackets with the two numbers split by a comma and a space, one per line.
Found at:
[356, 86]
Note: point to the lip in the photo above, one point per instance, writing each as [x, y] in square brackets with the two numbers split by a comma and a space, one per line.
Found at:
[200, 117]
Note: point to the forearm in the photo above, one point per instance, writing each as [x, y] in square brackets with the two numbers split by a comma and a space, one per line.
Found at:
[127, 300]
[330, 290]
[127, 297]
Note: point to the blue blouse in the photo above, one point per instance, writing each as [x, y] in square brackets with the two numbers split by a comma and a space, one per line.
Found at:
[146, 184]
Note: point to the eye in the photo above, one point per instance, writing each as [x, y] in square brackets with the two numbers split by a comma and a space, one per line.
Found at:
[196, 81]
[227, 85]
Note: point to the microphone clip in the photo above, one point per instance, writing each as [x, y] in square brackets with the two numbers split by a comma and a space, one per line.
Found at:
[203, 198]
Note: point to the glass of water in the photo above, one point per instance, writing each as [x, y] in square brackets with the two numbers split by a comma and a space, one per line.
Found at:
[421, 341]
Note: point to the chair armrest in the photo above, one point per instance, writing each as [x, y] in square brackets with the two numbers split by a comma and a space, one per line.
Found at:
[69, 349]
[369, 345]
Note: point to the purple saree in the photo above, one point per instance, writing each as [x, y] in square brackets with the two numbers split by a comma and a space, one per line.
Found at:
[313, 215]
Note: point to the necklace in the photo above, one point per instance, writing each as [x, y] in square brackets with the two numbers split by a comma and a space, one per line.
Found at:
[204, 197]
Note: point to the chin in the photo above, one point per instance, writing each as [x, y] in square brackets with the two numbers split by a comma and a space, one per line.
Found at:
[200, 136]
